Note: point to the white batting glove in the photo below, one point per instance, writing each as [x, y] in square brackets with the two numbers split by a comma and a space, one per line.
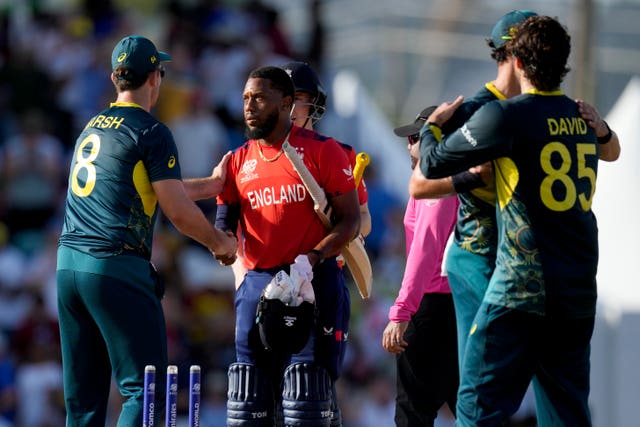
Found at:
[306, 293]
[281, 287]
[302, 267]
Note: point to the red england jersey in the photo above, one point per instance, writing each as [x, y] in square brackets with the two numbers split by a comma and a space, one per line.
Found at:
[276, 211]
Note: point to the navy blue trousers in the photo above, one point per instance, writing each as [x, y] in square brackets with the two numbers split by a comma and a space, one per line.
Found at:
[327, 344]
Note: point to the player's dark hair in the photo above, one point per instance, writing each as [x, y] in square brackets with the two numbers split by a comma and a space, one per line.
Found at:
[126, 79]
[499, 54]
[278, 77]
[543, 45]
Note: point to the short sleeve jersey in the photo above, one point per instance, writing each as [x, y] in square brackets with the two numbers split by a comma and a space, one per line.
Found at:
[111, 207]
[545, 182]
[276, 211]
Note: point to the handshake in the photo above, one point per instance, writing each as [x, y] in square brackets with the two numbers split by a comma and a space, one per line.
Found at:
[294, 288]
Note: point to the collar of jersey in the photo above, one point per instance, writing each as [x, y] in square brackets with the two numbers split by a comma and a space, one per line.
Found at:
[491, 87]
[544, 93]
[125, 104]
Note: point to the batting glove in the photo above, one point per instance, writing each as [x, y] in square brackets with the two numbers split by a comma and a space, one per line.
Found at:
[302, 267]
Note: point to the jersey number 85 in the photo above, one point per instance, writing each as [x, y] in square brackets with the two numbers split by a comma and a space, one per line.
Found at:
[559, 175]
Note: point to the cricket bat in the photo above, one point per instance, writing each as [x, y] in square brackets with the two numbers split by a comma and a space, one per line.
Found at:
[354, 253]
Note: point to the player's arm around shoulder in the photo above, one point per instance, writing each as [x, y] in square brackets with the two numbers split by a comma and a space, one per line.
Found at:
[608, 141]
[421, 187]
[210, 186]
[484, 137]
[187, 217]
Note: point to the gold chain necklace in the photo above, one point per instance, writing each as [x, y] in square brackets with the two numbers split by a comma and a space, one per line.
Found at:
[273, 159]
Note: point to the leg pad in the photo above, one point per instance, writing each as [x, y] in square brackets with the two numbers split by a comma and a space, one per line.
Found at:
[306, 396]
[249, 397]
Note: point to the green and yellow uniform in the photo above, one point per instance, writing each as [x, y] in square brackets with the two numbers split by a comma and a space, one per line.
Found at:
[472, 258]
[108, 291]
[538, 312]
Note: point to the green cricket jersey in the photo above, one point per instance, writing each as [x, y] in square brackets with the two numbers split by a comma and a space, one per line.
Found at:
[546, 159]
[476, 230]
[111, 207]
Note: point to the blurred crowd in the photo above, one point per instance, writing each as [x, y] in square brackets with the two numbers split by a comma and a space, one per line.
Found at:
[54, 75]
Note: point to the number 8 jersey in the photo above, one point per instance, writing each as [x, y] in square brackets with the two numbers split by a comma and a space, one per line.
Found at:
[111, 207]
[545, 160]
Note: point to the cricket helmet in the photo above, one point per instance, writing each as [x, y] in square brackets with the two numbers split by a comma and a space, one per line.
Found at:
[285, 329]
[306, 80]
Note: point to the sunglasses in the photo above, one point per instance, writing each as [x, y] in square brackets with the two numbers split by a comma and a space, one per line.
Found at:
[161, 70]
[413, 139]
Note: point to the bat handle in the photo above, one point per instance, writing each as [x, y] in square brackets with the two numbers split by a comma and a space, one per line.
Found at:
[362, 161]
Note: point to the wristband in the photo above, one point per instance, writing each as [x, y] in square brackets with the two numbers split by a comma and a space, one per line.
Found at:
[607, 137]
[318, 253]
[466, 181]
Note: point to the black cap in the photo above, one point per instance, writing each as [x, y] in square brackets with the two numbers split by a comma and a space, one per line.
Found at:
[414, 128]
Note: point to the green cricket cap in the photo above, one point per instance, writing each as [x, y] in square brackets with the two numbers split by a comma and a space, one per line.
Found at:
[137, 53]
[506, 26]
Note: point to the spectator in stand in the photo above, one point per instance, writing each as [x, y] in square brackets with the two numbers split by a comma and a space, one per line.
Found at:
[32, 177]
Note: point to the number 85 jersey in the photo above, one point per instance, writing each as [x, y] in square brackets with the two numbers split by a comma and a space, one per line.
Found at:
[111, 207]
[545, 160]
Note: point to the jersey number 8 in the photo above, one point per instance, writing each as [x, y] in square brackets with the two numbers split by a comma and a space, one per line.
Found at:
[85, 163]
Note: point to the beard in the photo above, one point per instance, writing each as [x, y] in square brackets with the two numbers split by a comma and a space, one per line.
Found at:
[261, 132]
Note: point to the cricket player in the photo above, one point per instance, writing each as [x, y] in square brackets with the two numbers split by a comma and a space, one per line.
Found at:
[539, 308]
[125, 165]
[266, 197]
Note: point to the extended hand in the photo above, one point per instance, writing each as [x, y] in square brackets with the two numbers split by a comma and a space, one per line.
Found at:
[225, 251]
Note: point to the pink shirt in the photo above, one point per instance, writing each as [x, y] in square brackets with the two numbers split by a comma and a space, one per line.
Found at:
[428, 224]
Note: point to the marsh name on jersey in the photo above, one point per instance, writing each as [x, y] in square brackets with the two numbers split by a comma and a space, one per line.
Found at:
[101, 121]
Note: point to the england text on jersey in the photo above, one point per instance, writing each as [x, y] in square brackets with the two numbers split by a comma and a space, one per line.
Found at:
[268, 196]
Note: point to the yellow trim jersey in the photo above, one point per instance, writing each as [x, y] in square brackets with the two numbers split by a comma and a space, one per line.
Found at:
[476, 229]
[111, 207]
[545, 179]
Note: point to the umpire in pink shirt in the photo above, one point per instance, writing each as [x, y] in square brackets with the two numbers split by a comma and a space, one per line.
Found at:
[422, 325]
